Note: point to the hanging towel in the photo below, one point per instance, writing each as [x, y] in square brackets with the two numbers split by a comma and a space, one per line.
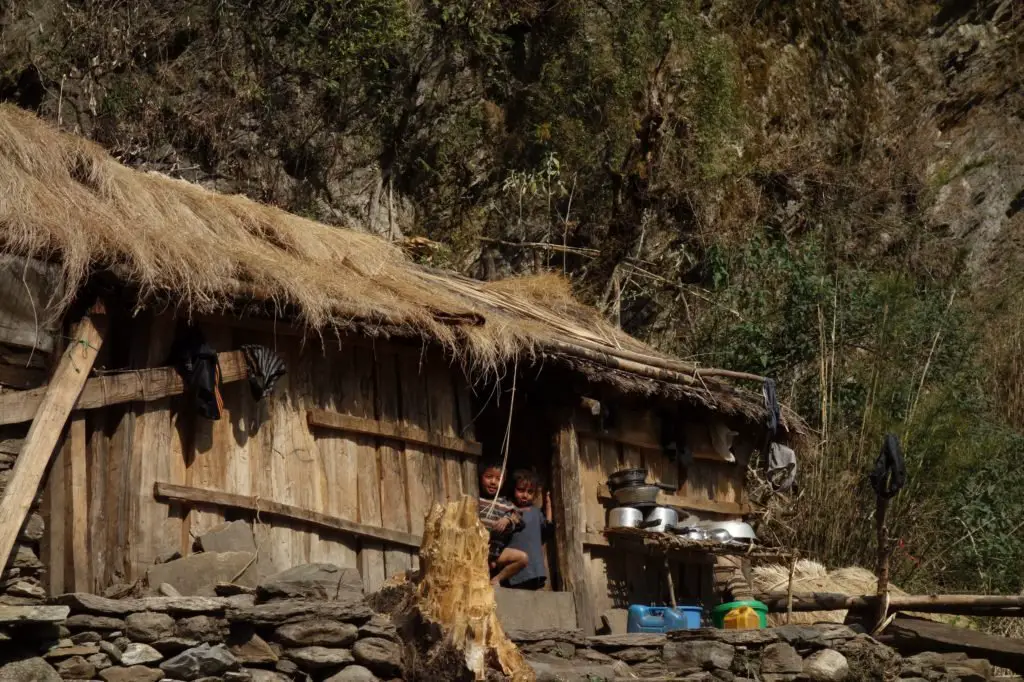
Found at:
[890, 472]
[721, 440]
[265, 368]
[771, 405]
[781, 467]
[197, 363]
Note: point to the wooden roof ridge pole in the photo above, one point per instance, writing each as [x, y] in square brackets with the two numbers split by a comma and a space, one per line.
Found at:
[63, 390]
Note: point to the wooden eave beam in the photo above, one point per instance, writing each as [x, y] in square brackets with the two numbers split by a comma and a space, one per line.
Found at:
[120, 387]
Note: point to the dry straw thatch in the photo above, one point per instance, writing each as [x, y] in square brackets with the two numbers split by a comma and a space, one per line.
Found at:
[810, 576]
[64, 199]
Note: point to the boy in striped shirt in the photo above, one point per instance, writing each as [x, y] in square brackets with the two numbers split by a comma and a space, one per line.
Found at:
[502, 519]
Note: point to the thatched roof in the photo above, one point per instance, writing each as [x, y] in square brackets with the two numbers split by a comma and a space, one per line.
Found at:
[63, 199]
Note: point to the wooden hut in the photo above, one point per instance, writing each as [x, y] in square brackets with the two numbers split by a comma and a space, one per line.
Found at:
[398, 379]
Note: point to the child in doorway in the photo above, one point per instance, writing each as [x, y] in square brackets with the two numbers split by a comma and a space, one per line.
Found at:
[537, 527]
[501, 518]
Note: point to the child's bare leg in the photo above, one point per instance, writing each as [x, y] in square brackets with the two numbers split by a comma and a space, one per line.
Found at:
[511, 562]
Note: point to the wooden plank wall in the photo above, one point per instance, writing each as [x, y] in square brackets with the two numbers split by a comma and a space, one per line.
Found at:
[617, 579]
[267, 450]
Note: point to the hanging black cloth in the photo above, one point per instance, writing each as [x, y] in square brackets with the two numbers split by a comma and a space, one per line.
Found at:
[771, 405]
[265, 368]
[196, 361]
[890, 472]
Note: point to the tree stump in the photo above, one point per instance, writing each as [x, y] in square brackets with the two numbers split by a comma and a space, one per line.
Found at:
[450, 623]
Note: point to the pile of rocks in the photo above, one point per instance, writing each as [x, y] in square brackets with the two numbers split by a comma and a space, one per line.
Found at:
[823, 653]
[265, 636]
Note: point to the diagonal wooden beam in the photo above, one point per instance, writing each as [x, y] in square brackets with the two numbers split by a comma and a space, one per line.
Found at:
[63, 390]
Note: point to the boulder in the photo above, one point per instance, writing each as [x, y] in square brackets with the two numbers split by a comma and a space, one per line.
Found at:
[87, 621]
[165, 590]
[202, 628]
[31, 614]
[25, 558]
[140, 654]
[353, 673]
[87, 637]
[24, 589]
[827, 665]
[100, 661]
[781, 659]
[33, 529]
[311, 581]
[201, 661]
[75, 668]
[319, 657]
[379, 626]
[232, 536]
[171, 646]
[350, 610]
[694, 656]
[138, 673]
[317, 632]
[198, 574]
[68, 651]
[552, 669]
[259, 675]
[111, 651]
[250, 648]
[29, 670]
[380, 655]
[147, 627]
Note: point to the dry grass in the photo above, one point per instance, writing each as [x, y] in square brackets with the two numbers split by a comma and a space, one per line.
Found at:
[810, 576]
[64, 198]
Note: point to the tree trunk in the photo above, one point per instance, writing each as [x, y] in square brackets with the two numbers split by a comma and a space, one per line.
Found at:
[451, 623]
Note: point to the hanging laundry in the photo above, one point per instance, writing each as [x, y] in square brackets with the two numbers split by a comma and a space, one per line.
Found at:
[771, 405]
[265, 368]
[781, 467]
[890, 472]
[197, 363]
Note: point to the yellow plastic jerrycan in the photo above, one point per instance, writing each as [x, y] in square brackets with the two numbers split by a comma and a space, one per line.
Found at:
[742, 618]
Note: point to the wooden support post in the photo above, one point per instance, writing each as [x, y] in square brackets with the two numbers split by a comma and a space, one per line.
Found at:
[882, 569]
[61, 393]
[569, 529]
[79, 486]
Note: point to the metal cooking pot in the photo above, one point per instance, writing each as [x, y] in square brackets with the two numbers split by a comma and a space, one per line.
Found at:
[637, 495]
[659, 519]
[627, 477]
[738, 530]
[625, 517]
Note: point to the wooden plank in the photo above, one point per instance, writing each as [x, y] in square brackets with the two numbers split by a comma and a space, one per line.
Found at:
[359, 400]
[54, 408]
[423, 490]
[339, 459]
[96, 461]
[569, 524]
[393, 483]
[56, 545]
[79, 489]
[121, 387]
[21, 378]
[189, 495]
[155, 529]
[390, 429]
[698, 505]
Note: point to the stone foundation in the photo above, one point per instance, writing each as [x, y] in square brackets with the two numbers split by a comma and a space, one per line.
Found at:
[823, 653]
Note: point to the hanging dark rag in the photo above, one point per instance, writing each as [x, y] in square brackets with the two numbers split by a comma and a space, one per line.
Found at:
[771, 405]
[265, 368]
[890, 472]
[197, 363]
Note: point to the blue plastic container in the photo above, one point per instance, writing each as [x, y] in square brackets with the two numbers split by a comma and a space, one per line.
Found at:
[663, 618]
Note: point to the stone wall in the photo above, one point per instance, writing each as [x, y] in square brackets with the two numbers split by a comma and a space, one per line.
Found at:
[826, 653]
[199, 638]
[22, 581]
